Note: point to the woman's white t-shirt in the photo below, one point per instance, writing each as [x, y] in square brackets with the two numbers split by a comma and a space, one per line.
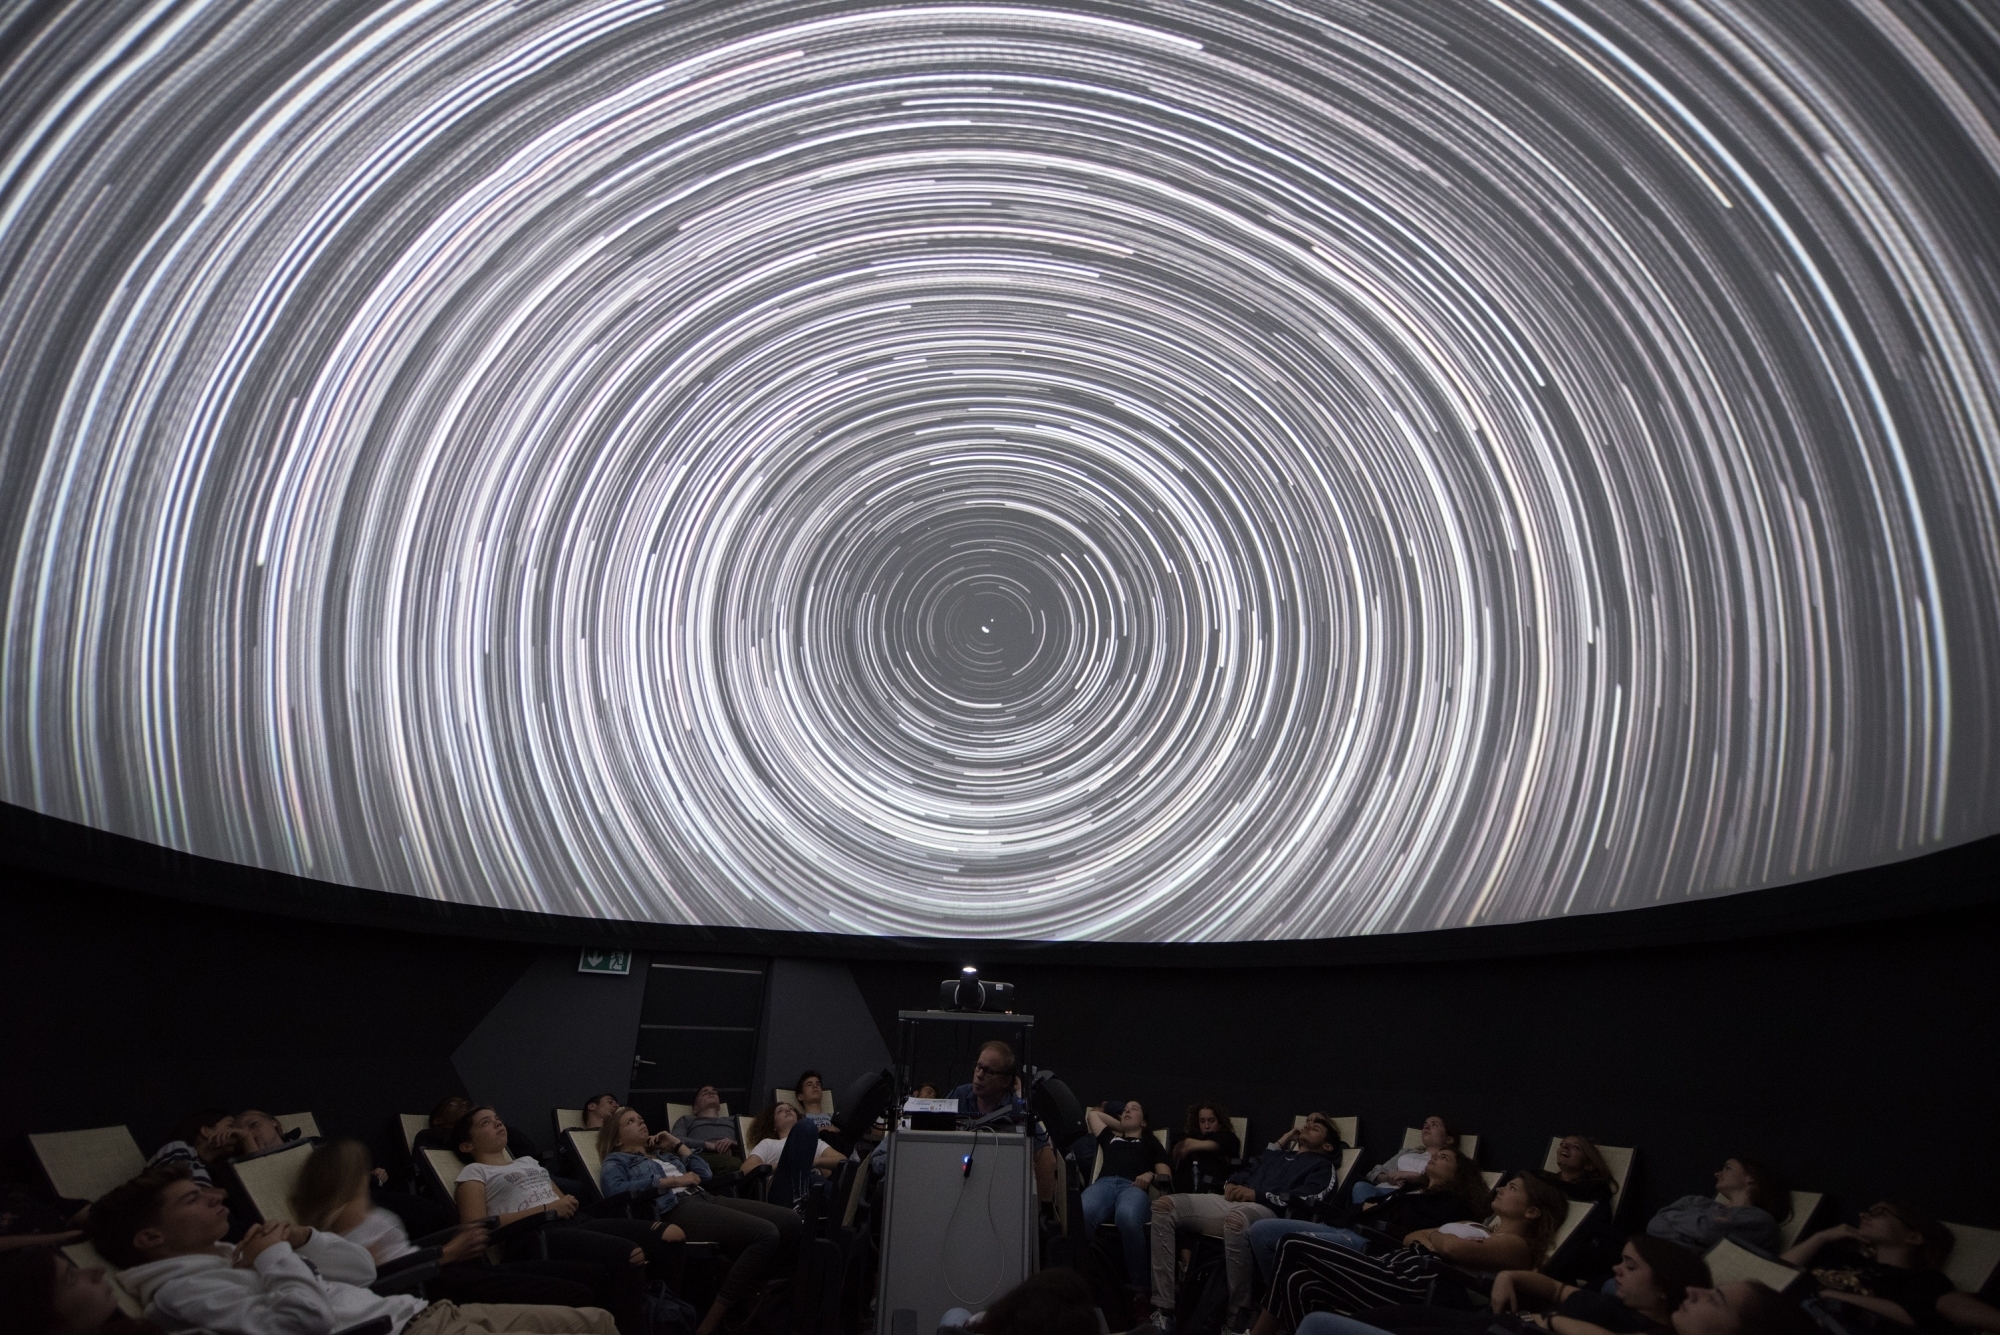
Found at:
[1463, 1229]
[520, 1185]
[768, 1150]
[381, 1232]
[1413, 1161]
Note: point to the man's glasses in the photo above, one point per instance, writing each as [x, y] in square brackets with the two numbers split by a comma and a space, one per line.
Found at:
[983, 1069]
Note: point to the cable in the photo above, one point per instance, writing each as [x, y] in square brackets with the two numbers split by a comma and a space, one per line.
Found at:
[999, 1270]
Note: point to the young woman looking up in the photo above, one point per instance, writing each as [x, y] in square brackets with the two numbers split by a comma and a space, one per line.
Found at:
[790, 1145]
[1452, 1191]
[494, 1185]
[1407, 1167]
[1320, 1274]
[756, 1236]
[1132, 1162]
[1888, 1262]
[332, 1194]
[1580, 1172]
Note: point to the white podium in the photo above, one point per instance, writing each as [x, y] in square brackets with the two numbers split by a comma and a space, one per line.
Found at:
[953, 1238]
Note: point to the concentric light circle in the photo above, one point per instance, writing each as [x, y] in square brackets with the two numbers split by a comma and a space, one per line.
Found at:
[1152, 471]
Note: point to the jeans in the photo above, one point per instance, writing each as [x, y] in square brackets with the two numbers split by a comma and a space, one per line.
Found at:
[1115, 1199]
[1330, 1323]
[754, 1235]
[1217, 1218]
[1266, 1234]
[794, 1169]
[1368, 1191]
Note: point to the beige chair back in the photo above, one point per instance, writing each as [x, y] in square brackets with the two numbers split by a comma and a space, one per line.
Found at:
[443, 1167]
[676, 1111]
[1242, 1128]
[1492, 1180]
[1974, 1254]
[584, 1142]
[1572, 1220]
[304, 1123]
[1160, 1134]
[85, 1257]
[857, 1188]
[1350, 1159]
[1728, 1263]
[83, 1165]
[269, 1179]
[743, 1131]
[1616, 1158]
[568, 1119]
[414, 1124]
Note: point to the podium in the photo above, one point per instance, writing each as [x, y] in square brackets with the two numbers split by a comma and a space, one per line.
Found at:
[953, 1237]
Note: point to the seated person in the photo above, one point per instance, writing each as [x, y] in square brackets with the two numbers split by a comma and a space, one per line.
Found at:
[332, 1194]
[756, 1236]
[1452, 1191]
[493, 1185]
[599, 1109]
[1742, 1308]
[712, 1130]
[1887, 1263]
[257, 1132]
[1650, 1281]
[1580, 1172]
[1133, 1159]
[1205, 1152]
[43, 1292]
[1747, 1207]
[1407, 1168]
[439, 1135]
[203, 1141]
[166, 1230]
[810, 1090]
[1320, 1274]
[1295, 1171]
[995, 1085]
[790, 1146]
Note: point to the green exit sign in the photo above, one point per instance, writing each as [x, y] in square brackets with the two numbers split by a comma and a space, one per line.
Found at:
[604, 961]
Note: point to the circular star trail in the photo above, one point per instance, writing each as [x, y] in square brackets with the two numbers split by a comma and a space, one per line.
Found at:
[1153, 471]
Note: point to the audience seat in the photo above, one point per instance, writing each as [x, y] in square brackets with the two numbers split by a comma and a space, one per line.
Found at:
[1805, 1205]
[1617, 1159]
[1413, 1138]
[1974, 1254]
[267, 1180]
[1572, 1221]
[567, 1119]
[83, 1165]
[1728, 1262]
[304, 1123]
[414, 1125]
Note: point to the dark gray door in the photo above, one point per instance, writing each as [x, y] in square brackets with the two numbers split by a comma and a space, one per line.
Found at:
[699, 1027]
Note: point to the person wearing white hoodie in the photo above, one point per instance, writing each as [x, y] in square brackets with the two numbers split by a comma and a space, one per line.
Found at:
[283, 1279]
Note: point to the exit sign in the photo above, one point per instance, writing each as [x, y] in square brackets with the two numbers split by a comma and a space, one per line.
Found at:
[604, 961]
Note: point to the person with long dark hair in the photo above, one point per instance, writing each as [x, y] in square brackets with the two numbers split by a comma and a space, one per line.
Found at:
[1407, 1167]
[1206, 1151]
[1452, 1191]
[790, 1145]
[1321, 1274]
[1133, 1160]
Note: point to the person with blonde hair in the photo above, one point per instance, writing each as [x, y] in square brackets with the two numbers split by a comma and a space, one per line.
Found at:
[755, 1235]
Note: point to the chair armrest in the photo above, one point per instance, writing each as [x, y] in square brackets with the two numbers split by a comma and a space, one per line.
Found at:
[619, 1205]
[490, 1223]
[520, 1228]
[406, 1273]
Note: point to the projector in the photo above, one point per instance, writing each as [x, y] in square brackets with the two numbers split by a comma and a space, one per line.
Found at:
[967, 993]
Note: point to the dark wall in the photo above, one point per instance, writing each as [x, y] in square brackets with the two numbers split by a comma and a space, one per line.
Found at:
[121, 1007]
[1859, 1061]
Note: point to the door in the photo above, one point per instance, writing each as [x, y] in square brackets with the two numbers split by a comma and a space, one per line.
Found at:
[699, 1027]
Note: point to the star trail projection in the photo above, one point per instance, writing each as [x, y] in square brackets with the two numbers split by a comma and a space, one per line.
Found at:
[1154, 471]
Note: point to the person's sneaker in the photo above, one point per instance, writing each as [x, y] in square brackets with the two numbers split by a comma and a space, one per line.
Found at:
[1240, 1323]
[1161, 1320]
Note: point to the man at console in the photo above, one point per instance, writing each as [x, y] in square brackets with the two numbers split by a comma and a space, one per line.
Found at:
[992, 1089]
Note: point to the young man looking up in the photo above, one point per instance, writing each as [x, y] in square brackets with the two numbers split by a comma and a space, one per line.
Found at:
[166, 1230]
[712, 1129]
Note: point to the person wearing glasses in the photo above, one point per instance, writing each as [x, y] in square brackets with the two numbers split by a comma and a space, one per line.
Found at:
[992, 1088]
[1888, 1263]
